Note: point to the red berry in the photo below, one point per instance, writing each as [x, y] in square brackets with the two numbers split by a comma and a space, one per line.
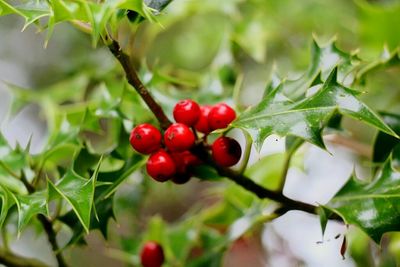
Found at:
[187, 112]
[226, 151]
[178, 137]
[181, 178]
[152, 254]
[160, 166]
[202, 124]
[145, 138]
[220, 116]
[184, 160]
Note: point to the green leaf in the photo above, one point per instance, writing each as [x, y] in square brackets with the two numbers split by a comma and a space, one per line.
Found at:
[29, 206]
[372, 206]
[306, 118]
[32, 11]
[323, 218]
[6, 203]
[78, 192]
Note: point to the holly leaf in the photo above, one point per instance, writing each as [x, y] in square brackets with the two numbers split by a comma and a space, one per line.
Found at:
[29, 206]
[31, 11]
[373, 206]
[78, 192]
[276, 114]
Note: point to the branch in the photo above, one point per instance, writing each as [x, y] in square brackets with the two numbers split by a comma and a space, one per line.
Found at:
[250, 185]
[12, 260]
[133, 79]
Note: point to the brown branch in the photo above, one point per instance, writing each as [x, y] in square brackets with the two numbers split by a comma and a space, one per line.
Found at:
[47, 227]
[133, 79]
[12, 260]
[250, 185]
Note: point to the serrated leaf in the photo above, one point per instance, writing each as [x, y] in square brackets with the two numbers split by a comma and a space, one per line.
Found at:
[78, 192]
[372, 206]
[29, 206]
[276, 114]
[32, 11]
[103, 200]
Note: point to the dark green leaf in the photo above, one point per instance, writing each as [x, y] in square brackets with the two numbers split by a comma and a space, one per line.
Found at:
[372, 206]
[306, 118]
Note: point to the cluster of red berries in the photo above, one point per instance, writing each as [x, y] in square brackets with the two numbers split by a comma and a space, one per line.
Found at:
[170, 155]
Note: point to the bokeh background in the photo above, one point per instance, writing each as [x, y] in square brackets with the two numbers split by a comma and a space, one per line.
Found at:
[195, 42]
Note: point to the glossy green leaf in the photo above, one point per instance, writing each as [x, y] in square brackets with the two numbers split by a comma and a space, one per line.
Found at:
[78, 192]
[373, 206]
[276, 114]
[29, 206]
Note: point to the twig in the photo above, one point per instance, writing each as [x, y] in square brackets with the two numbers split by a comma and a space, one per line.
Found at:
[133, 79]
[51, 236]
[250, 185]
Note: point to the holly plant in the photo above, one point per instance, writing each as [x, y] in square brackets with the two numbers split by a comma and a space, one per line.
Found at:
[136, 122]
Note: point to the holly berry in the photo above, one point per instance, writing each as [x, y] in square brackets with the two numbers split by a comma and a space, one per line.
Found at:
[187, 112]
[181, 178]
[178, 137]
[220, 116]
[145, 138]
[202, 124]
[226, 151]
[160, 166]
[152, 255]
[184, 160]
